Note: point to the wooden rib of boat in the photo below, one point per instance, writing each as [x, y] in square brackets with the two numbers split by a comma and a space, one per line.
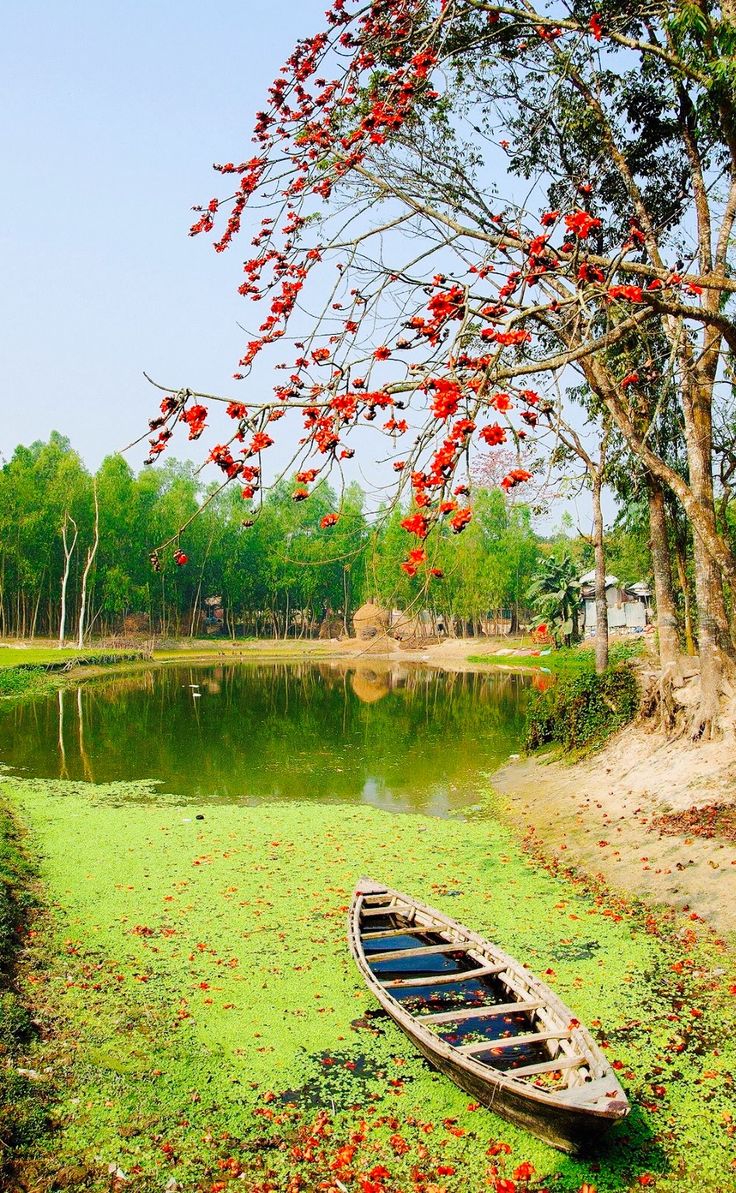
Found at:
[483, 1019]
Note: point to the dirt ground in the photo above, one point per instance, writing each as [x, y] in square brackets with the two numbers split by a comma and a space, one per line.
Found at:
[604, 816]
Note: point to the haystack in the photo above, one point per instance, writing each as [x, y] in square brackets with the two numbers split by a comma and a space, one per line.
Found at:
[370, 620]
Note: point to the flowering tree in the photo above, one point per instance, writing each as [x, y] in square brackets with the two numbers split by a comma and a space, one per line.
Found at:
[398, 287]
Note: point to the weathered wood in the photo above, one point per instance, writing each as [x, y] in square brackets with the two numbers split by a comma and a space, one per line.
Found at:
[569, 1117]
[512, 1041]
[586, 1091]
[422, 950]
[442, 979]
[389, 932]
[548, 1066]
[499, 1008]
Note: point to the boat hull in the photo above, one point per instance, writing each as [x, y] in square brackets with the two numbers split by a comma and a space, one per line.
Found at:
[573, 1118]
[567, 1129]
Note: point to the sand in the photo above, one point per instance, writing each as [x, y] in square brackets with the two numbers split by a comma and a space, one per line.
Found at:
[597, 815]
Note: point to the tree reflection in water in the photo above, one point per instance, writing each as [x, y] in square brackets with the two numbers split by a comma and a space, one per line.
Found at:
[403, 737]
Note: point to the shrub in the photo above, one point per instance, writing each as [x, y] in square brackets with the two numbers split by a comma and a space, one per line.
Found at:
[20, 681]
[582, 710]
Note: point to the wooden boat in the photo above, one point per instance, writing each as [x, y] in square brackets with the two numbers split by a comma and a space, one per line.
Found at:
[483, 1019]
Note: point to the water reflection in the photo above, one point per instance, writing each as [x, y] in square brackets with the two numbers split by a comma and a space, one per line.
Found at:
[399, 737]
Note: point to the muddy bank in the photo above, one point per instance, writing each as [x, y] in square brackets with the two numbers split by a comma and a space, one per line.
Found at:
[601, 816]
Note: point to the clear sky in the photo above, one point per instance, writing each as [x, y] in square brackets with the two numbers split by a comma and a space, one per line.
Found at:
[111, 117]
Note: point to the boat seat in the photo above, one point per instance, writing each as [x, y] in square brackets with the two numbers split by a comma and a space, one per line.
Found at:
[533, 1037]
[499, 1008]
[443, 979]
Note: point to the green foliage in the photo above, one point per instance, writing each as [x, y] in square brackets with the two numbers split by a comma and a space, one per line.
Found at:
[20, 681]
[582, 710]
[22, 1115]
[555, 597]
[277, 570]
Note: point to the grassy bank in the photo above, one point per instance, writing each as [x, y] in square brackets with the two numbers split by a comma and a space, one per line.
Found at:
[574, 708]
[574, 660]
[22, 1111]
[27, 672]
[206, 1024]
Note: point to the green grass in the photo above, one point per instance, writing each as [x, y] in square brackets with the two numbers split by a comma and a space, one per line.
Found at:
[567, 661]
[48, 657]
[22, 1113]
[209, 1022]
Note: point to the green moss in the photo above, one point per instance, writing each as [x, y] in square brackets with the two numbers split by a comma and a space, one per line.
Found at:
[22, 1112]
[582, 711]
[207, 1010]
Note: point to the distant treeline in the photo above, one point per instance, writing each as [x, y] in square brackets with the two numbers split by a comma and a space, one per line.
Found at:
[282, 574]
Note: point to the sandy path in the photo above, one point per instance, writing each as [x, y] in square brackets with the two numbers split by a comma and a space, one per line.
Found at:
[597, 815]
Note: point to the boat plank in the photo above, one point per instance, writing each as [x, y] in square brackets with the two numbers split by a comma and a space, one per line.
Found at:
[422, 950]
[588, 1091]
[443, 979]
[416, 930]
[532, 1037]
[499, 1008]
[549, 1066]
[389, 909]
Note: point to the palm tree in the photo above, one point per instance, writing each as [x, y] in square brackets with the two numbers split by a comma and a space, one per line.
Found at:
[555, 598]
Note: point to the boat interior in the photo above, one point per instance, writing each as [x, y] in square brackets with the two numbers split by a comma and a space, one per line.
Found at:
[492, 1016]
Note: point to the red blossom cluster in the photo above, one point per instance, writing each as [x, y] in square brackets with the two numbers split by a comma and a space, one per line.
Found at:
[342, 92]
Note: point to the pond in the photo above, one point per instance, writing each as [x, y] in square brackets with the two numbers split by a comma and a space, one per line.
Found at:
[400, 737]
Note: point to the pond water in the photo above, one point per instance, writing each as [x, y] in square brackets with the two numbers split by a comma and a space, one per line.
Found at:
[400, 737]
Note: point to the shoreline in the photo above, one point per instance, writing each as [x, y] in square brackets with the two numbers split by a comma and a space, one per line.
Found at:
[594, 814]
[599, 815]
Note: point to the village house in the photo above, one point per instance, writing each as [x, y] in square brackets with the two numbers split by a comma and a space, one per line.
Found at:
[629, 606]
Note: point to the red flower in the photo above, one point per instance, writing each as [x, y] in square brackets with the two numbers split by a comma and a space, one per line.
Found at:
[448, 394]
[595, 26]
[329, 520]
[300, 495]
[581, 224]
[260, 442]
[493, 435]
[195, 417]
[180, 558]
[631, 293]
[382, 353]
[524, 1171]
[417, 524]
[517, 476]
[460, 520]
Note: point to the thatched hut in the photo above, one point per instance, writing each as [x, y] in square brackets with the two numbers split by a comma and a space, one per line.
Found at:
[370, 620]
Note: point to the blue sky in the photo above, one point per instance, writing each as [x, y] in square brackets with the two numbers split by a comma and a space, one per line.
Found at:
[112, 115]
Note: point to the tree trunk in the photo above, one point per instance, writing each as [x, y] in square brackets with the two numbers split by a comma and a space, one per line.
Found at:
[682, 577]
[715, 647]
[669, 644]
[68, 552]
[85, 575]
[601, 603]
